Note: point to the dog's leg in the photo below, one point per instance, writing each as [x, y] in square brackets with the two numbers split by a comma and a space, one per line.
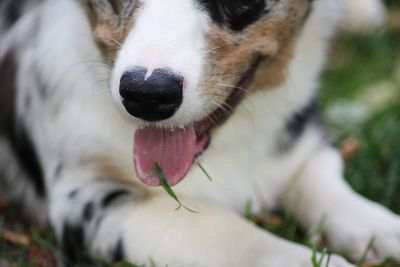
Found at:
[319, 195]
[118, 221]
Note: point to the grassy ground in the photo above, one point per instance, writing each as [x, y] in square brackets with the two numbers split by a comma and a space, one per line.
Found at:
[361, 102]
[361, 99]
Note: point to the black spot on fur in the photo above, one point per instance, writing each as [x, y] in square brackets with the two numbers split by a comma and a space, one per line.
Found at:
[26, 155]
[19, 138]
[73, 246]
[8, 71]
[297, 124]
[88, 211]
[113, 196]
[12, 10]
[118, 254]
[309, 10]
[73, 194]
[236, 14]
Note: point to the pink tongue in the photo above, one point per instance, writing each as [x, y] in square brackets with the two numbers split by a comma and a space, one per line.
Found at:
[173, 150]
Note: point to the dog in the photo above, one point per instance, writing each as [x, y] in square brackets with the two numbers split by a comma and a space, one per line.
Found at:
[103, 102]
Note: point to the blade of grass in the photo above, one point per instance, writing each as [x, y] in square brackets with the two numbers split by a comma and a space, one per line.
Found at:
[248, 209]
[365, 254]
[168, 189]
[314, 259]
[317, 261]
[323, 255]
[164, 183]
[328, 260]
[205, 172]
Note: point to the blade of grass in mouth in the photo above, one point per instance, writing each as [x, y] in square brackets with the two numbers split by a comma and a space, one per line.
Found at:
[205, 172]
[168, 189]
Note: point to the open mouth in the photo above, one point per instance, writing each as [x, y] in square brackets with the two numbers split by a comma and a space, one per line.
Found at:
[175, 150]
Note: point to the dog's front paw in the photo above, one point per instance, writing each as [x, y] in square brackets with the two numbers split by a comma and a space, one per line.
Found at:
[364, 228]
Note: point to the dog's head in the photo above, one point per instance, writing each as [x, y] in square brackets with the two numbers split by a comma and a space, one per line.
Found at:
[181, 66]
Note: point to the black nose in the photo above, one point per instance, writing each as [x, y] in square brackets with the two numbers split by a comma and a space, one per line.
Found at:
[153, 99]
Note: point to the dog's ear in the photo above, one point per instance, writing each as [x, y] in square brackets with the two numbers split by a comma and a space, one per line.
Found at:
[111, 20]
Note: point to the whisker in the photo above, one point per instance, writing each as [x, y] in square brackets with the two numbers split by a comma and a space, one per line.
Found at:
[217, 47]
[227, 109]
[232, 87]
[114, 40]
[213, 120]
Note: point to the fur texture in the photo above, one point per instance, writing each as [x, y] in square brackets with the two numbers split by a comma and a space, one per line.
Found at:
[66, 139]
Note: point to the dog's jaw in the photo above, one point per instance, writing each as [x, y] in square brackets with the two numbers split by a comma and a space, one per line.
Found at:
[176, 149]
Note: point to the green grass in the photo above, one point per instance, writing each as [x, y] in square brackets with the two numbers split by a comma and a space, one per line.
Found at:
[364, 72]
[318, 260]
[164, 183]
[364, 69]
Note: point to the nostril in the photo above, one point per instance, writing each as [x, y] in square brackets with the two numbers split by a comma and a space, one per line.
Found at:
[156, 98]
[165, 78]
[130, 83]
[136, 75]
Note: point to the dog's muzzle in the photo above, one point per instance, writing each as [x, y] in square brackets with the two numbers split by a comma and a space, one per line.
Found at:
[157, 97]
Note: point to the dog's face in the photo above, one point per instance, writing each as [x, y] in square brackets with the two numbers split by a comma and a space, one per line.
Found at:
[180, 66]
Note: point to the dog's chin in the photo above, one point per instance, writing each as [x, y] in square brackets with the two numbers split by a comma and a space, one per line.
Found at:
[176, 149]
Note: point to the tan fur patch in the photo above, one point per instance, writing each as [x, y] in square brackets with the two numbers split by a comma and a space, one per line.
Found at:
[111, 22]
[272, 38]
[105, 167]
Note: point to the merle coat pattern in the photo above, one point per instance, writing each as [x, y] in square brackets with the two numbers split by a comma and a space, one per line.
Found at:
[239, 76]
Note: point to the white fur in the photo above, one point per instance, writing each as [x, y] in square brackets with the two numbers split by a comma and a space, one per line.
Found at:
[214, 238]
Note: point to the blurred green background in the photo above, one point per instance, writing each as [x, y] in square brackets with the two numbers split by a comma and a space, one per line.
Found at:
[361, 102]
